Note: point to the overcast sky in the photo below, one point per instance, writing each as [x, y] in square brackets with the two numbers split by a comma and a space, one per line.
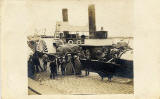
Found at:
[116, 16]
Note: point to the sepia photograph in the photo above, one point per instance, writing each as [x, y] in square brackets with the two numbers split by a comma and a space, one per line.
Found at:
[67, 56]
[81, 49]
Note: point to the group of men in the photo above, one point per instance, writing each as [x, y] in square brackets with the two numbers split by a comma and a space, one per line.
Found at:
[68, 64]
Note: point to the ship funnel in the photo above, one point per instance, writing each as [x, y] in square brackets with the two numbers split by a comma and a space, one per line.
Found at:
[92, 21]
[65, 15]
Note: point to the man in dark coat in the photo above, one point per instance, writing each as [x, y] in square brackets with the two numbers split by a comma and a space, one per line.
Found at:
[63, 65]
[88, 61]
[53, 68]
[58, 63]
[36, 62]
[31, 69]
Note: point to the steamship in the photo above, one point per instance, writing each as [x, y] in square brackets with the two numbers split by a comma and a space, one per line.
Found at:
[78, 34]
[86, 37]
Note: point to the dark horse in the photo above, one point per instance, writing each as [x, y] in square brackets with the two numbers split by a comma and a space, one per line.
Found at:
[102, 68]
